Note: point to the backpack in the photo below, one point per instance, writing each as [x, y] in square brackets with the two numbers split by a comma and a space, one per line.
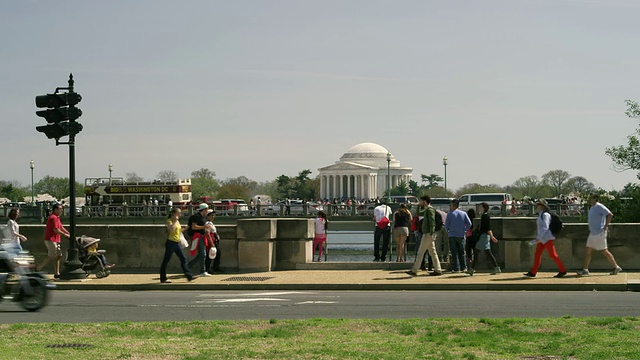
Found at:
[439, 222]
[556, 224]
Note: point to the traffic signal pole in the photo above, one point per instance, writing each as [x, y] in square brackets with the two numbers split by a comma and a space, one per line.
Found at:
[72, 266]
[61, 116]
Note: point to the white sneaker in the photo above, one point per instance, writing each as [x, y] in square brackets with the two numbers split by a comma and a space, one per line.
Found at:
[205, 274]
[583, 272]
[616, 271]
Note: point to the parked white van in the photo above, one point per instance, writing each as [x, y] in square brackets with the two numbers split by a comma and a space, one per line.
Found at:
[495, 201]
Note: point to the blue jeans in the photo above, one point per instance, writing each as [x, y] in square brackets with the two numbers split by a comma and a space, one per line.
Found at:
[170, 248]
[457, 253]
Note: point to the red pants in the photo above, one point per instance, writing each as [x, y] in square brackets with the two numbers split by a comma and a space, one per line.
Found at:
[318, 241]
[551, 249]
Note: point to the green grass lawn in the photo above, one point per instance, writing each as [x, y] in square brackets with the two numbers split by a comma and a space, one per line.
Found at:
[555, 338]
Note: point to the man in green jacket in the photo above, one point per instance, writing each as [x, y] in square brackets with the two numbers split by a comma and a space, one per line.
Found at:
[427, 242]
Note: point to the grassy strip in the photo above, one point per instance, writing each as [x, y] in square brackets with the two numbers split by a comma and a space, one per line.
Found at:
[555, 338]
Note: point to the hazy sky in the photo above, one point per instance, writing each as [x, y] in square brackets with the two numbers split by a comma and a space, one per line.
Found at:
[504, 89]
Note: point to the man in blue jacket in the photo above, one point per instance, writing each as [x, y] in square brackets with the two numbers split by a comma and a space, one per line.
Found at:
[457, 223]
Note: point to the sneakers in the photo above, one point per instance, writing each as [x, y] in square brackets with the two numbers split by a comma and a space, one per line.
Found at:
[560, 274]
[410, 272]
[529, 274]
[616, 271]
[436, 273]
[583, 272]
[496, 270]
[205, 274]
[470, 271]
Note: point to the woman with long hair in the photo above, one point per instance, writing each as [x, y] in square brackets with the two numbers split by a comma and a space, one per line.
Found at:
[14, 229]
[320, 237]
[401, 222]
[173, 246]
[485, 238]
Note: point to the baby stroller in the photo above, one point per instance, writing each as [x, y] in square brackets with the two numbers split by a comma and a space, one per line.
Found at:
[92, 260]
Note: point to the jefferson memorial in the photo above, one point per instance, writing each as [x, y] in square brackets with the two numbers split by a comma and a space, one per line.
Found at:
[361, 173]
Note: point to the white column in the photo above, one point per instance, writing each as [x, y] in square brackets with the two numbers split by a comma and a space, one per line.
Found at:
[333, 192]
[349, 186]
[322, 186]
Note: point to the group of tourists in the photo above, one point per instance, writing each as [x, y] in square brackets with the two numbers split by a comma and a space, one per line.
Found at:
[467, 243]
[203, 243]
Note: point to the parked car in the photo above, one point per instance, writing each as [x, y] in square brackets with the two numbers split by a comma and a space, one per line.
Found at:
[441, 203]
[296, 207]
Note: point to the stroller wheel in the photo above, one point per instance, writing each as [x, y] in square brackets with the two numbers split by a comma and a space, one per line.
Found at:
[100, 274]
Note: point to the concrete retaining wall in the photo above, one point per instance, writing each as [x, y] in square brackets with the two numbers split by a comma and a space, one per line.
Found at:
[281, 244]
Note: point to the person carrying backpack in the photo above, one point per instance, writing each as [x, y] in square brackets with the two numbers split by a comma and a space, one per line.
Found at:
[545, 241]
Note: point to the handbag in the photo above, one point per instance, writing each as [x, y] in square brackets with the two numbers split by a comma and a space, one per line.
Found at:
[213, 252]
[183, 241]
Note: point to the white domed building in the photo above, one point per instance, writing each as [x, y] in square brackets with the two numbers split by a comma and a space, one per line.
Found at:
[361, 173]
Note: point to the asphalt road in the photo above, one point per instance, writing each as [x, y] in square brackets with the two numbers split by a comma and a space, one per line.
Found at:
[102, 306]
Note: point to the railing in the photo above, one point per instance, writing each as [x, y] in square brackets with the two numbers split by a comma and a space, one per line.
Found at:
[279, 210]
[282, 210]
[357, 246]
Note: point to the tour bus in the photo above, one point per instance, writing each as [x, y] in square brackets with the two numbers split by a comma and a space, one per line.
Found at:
[495, 201]
[116, 191]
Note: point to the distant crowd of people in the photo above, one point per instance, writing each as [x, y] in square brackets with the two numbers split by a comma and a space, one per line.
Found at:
[454, 233]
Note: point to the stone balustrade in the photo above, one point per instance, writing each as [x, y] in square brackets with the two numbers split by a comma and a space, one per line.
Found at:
[266, 244]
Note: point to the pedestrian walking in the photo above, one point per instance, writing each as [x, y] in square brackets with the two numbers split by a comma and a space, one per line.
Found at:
[427, 243]
[485, 237]
[417, 220]
[471, 239]
[456, 224]
[599, 219]
[15, 238]
[545, 241]
[441, 237]
[401, 222]
[381, 214]
[52, 233]
[198, 247]
[320, 238]
[212, 240]
[173, 246]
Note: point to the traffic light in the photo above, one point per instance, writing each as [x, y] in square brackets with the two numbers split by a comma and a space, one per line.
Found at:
[61, 114]
[56, 131]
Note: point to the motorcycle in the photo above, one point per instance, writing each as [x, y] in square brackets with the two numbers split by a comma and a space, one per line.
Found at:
[19, 282]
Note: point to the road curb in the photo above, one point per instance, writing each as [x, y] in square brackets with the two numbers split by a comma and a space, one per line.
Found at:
[630, 286]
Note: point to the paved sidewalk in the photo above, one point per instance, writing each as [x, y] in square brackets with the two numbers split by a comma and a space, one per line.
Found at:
[359, 280]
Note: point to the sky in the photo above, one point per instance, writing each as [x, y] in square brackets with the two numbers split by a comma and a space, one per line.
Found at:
[504, 89]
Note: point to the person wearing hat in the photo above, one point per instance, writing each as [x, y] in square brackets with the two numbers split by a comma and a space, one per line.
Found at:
[52, 233]
[545, 241]
[198, 247]
[212, 240]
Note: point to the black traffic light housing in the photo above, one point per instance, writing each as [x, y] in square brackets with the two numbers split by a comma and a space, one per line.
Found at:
[61, 113]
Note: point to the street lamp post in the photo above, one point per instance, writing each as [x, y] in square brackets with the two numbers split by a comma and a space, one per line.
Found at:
[445, 162]
[388, 177]
[32, 165]
[110, 171]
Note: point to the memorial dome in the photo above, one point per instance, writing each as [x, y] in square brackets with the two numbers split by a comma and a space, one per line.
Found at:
[366, 151]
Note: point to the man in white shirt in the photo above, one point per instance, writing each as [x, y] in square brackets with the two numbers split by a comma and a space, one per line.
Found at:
[382, 217]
